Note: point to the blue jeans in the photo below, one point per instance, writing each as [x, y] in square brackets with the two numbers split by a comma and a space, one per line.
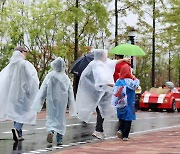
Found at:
[18, 126]
[59, 138]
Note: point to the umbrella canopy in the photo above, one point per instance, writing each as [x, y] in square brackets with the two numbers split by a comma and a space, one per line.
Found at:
[128, 50]
[80, 64]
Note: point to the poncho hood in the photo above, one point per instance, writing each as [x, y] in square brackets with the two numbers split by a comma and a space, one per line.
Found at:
[100, 54]
[58, 65]
[17, 56]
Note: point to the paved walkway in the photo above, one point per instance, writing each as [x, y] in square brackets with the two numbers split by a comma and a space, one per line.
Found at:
[162, 142]
[41, 115]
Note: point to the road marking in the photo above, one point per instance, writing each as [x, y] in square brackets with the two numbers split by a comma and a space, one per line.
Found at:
[155, 129]
[9, 132]
[6, 132]
[57, 147]
[81, 142]
[42, 150]
[79, 124]
[65, 145]
[40, 128]
[34, 151]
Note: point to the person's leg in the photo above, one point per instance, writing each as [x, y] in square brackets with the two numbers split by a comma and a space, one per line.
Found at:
[99, 122]
[120, 128]
[59, 139]
[18, 126]
[121, 125]
[17, 131]
[99, 126]
[127, 127]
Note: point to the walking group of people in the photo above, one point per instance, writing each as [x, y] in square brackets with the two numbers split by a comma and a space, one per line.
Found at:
[98, 90]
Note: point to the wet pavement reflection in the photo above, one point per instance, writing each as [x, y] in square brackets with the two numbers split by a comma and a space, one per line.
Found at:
[78, 132]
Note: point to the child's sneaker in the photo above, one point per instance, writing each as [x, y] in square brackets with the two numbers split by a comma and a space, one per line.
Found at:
[119, 134]
[50, 137]
[21, 138]
[15, 135]
[98, 135]
[125, 139]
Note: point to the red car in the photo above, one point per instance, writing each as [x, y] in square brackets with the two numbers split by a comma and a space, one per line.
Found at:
[158, 99]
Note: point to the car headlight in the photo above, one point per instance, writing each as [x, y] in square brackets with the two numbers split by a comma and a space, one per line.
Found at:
[166, 100]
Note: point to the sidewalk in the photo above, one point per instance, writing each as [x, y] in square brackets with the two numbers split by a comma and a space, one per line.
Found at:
[41, 115]
[162, 142]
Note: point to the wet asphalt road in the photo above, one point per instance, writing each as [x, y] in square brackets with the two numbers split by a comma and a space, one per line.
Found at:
[77, 132]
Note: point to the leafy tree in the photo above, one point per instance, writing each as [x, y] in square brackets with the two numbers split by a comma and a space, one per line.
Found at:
[46, 29]
[171, 22]
[150, 31]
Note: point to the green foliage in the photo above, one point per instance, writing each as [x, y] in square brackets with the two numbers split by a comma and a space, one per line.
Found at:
[46, 29]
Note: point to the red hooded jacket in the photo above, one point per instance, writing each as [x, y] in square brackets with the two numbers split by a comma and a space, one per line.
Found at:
[125, 73]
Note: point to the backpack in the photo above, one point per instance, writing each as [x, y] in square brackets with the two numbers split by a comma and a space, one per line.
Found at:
[119, 97]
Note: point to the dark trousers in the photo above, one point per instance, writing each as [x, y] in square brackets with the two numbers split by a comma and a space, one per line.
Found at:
[124, 127]
[99, 122]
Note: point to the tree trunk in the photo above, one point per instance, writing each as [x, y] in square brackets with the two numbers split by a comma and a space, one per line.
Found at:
[76, 79]
[153, 44]
[76, 35]
[116, 23]
[169, 71]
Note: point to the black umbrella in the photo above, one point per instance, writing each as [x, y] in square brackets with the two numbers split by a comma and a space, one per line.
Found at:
[80, 64]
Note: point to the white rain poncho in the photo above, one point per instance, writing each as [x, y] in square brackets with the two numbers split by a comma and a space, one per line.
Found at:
[93, 90]
[57, 90]
[18, 87]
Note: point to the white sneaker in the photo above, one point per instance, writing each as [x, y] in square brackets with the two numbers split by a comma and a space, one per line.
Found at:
[99, 135]
[119, 134]
[125, 139]
[21, 138]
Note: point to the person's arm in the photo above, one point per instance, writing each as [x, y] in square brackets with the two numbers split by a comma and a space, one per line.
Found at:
[41, 96]
[110, 85]
[132, 84]
[128, 60]
[71, 102]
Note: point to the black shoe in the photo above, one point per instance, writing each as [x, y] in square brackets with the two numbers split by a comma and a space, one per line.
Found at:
[15, 134]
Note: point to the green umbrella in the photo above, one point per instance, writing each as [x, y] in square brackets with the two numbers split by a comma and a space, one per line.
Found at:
[128, 50]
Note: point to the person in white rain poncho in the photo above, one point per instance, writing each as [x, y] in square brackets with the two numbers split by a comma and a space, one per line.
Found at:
[95, 90]
[57, 90]
[18, 87]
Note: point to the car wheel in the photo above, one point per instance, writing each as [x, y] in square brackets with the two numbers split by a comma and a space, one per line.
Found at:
[144, 109]
[178, 110]
[173, 108]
